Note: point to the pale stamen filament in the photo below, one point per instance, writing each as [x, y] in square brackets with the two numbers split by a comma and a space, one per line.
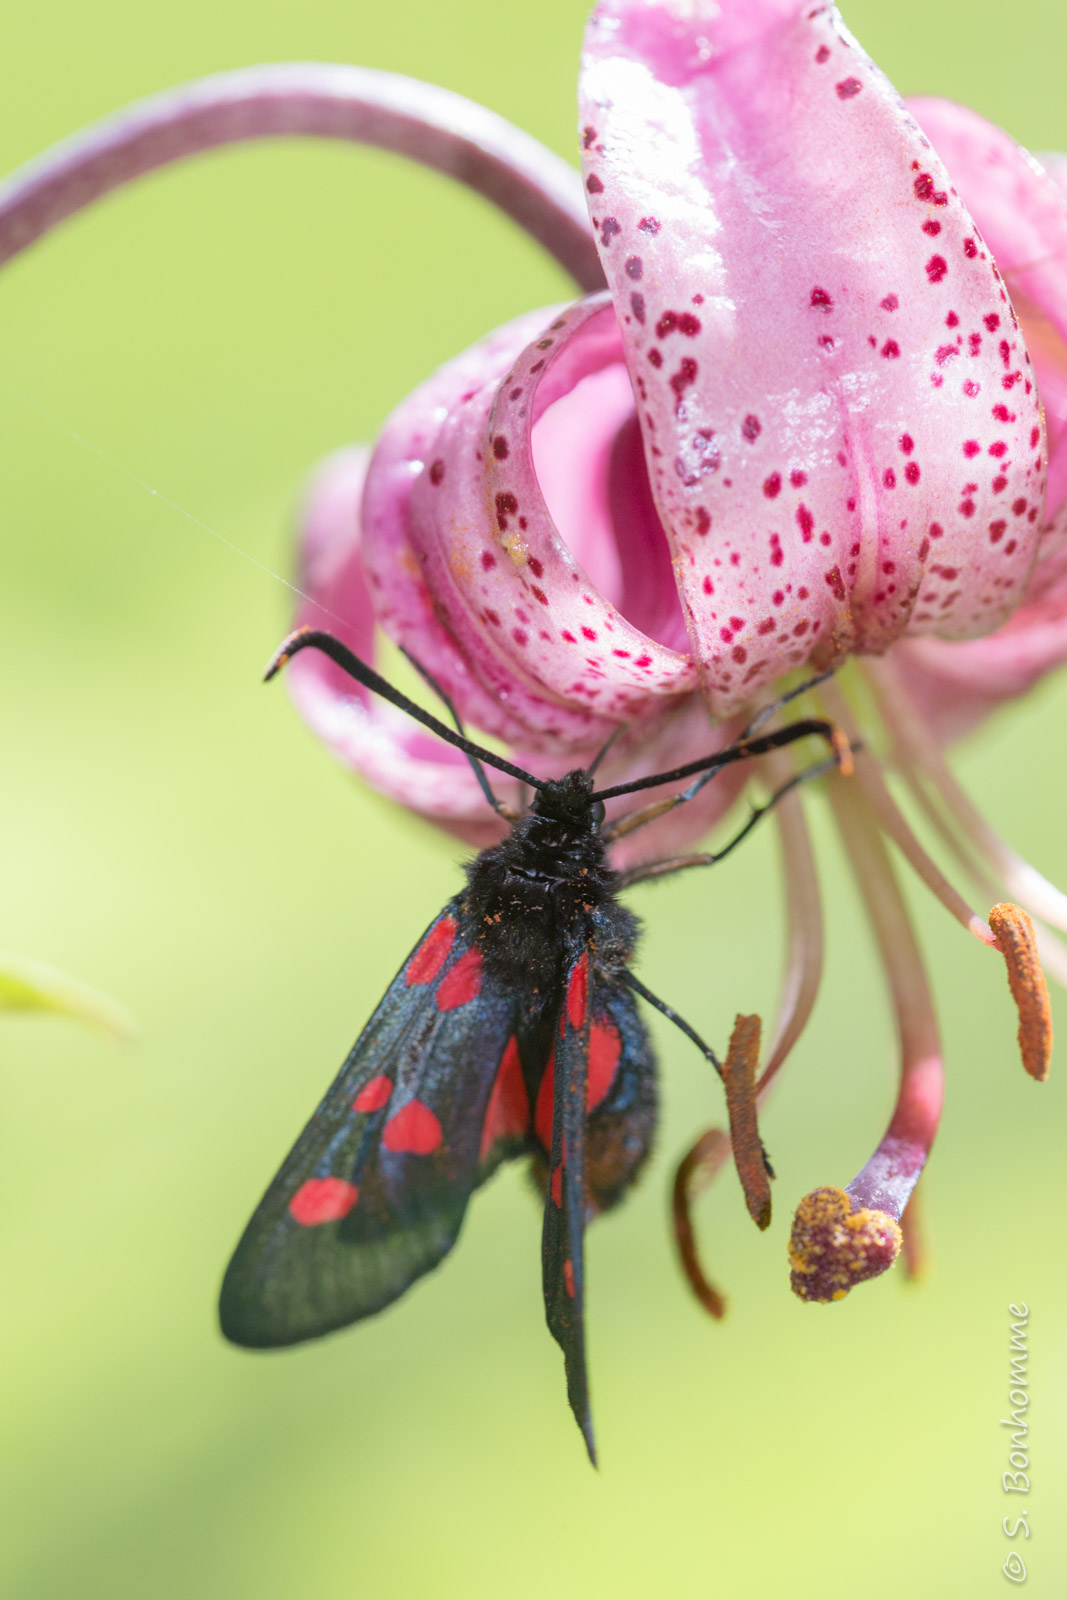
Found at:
[912, 737]
[888, 1178]
[893, 822]
[804, 922]
[927, 797]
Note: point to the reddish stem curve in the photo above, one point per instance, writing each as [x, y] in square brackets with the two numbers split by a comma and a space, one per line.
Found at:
[316, 100]
[886, 1181]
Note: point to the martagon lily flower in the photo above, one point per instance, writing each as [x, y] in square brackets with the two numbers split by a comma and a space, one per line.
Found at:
[810, 413]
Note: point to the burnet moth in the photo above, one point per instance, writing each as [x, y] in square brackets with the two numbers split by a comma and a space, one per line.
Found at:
[511, 1030]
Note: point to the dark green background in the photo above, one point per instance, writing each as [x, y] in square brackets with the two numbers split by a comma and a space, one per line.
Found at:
[171, 832]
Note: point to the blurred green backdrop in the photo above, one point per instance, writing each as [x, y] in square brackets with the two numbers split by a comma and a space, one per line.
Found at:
[171, 832]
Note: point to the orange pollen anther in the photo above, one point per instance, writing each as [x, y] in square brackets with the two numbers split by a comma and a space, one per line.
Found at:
[1017, 943]
[842, 747]
[834, 1246]
[739, 1076]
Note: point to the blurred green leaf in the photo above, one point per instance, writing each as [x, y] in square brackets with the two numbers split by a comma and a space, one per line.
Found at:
[35, 986]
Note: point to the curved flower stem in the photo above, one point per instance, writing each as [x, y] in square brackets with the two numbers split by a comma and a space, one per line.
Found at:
[888, 1178]
[892, 820]
[912, 737]
[319, 100]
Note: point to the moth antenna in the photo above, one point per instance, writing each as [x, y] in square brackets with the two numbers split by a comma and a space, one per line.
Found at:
[315, 639]
[743, 750]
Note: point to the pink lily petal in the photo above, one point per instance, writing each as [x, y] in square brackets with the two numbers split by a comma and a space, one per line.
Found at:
[553, 648]
[406, 607]
[960, 684]
[1055, 164]
[318, 100]
[393, 753]
[1022, 212]
[813, 330]
[509, 639]
[1021, 207]
[386, 747]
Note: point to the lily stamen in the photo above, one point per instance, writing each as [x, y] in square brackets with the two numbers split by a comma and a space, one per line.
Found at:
[697, 1169]
[913, 740]
[739, 1078]
[841, 1237]
[928, 789]
[1017, 943]
[895, 824]
[802, 975]
[803, 967]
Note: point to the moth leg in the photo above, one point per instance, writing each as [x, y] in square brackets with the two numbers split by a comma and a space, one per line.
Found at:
[783, 700]
[659, 808]
[706, 1051]
[690, 1032]
[484, 785]
[708, 858]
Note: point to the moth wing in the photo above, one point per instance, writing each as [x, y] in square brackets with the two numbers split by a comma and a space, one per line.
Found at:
[563, 1233]
[374, 1191]
[621, 1100]
[620, 1097]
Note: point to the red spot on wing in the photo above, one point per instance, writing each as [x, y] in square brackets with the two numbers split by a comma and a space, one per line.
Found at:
[432, 953]
[508, 1113]
[413, 1130]
[605, 1047]
[322, 1200]
[374, 1095]
[568, 1277]
[578, 992]
[463, 983]
[557, 1186]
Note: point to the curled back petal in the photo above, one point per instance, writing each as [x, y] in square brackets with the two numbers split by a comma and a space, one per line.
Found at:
[549, 643]
[406, 606]
[321, 100]
[386, 747]
[807, 312]
[353, 596]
